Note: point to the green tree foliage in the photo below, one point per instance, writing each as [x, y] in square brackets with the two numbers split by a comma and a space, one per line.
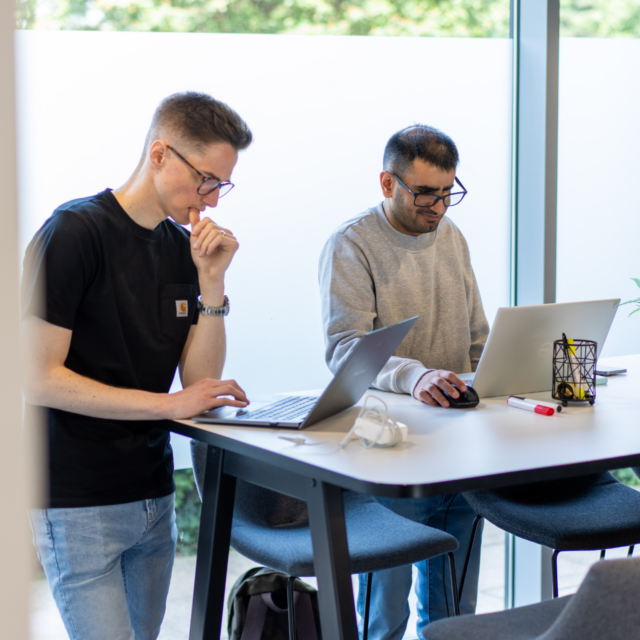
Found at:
[435, 18]
[187, 511]
[600, 18]
[458, 18]
[26, 11]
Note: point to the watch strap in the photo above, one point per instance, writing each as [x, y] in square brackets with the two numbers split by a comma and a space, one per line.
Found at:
[206, 310]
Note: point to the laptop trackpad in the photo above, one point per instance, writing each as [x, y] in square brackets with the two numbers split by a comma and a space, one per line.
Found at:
[224, 413]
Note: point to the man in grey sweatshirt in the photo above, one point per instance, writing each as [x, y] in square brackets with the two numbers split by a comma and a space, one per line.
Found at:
[402, 258]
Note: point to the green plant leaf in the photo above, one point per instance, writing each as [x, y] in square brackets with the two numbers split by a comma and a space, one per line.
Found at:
[637, 281]
[636, 301]
[627, 477]
[635, 311]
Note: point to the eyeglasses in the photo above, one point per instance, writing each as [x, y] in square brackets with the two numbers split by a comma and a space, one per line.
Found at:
[208, 185]
[430, 200]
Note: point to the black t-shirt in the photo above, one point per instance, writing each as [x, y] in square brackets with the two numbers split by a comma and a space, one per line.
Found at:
[129, 295]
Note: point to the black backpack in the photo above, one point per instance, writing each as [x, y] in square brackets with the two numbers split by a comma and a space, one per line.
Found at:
[257, 607]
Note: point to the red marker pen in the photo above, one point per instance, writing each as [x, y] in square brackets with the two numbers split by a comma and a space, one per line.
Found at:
[528, 405]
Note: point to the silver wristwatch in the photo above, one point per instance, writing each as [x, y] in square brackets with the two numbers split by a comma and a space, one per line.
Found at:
[213, 311]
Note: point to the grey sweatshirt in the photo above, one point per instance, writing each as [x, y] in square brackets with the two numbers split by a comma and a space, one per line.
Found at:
[372, 276]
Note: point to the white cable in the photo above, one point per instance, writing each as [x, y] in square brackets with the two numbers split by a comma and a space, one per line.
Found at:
[374, 427]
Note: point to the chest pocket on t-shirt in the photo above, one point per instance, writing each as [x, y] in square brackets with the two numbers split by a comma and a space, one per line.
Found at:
[177, 306]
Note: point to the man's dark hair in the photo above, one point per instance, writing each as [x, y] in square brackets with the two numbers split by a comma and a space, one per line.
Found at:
[423, 142]
[200, 120]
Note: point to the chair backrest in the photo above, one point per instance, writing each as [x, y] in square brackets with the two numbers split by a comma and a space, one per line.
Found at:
[605, 607]
[253, 504]
[266, 508]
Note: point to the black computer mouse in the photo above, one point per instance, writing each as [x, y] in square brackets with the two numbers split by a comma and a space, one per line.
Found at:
[466, 400]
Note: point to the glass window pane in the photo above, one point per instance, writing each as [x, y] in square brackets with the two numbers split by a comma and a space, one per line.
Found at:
[599, 164]
[321, 108]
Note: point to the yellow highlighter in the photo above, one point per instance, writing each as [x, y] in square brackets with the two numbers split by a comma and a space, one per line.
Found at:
[578, 384]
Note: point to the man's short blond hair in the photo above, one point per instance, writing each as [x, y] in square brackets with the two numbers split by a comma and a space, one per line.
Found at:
[199, 120]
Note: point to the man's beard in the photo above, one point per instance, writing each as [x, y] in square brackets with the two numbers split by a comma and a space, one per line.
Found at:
[406, 216]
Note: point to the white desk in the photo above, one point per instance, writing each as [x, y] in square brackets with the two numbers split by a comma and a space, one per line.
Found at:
[447, 450]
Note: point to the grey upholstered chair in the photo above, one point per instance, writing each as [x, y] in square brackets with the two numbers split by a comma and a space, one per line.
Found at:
[594, 512]
[604, 608]
[272, 530]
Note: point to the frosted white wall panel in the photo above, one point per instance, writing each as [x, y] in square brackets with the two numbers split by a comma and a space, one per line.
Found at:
[321, 109]
[599, 164]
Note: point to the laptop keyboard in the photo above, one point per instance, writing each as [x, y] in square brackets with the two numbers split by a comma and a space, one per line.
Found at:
[289, 409]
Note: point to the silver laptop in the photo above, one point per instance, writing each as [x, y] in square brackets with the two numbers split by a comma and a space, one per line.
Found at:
[517, 357]
[354, 377]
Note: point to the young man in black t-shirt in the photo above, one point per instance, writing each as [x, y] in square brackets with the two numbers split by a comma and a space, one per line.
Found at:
[129, 296]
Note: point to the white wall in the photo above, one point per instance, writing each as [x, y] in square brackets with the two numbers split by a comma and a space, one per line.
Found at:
[321, 108]
[599, 165]
[14, 537]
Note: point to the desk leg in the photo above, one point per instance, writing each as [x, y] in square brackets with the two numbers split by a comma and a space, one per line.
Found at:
[213, 549]
[331, 561]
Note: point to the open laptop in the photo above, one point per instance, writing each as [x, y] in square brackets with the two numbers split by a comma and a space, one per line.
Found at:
[518, 355]
[354, 377]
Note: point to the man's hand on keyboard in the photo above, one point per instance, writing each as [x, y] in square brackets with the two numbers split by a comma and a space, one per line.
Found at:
[202, 396]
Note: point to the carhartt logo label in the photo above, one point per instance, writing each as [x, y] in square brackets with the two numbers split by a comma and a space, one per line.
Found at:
[182, 308]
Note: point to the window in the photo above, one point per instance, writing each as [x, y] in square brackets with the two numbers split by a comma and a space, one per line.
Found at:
[598, 165]
[321, 108]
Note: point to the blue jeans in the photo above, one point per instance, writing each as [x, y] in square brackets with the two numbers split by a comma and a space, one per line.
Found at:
[389, 612]
[109, 567]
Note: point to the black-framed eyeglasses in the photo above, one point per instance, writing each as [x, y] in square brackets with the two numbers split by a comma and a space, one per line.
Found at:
[208, 185]
[430, 199]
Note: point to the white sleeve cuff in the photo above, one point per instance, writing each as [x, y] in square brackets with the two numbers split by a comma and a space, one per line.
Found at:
[408, 376]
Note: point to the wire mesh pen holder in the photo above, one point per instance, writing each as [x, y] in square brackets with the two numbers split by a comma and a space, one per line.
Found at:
[574, 371]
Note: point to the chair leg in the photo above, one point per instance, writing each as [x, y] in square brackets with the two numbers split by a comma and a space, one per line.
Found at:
[367, 603]
[454, 584]
[630, 552]
[602, 553]
[554, 572]
[290, 611]
[474, 528]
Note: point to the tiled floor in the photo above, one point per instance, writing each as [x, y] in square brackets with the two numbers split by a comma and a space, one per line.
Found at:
[46, 623]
